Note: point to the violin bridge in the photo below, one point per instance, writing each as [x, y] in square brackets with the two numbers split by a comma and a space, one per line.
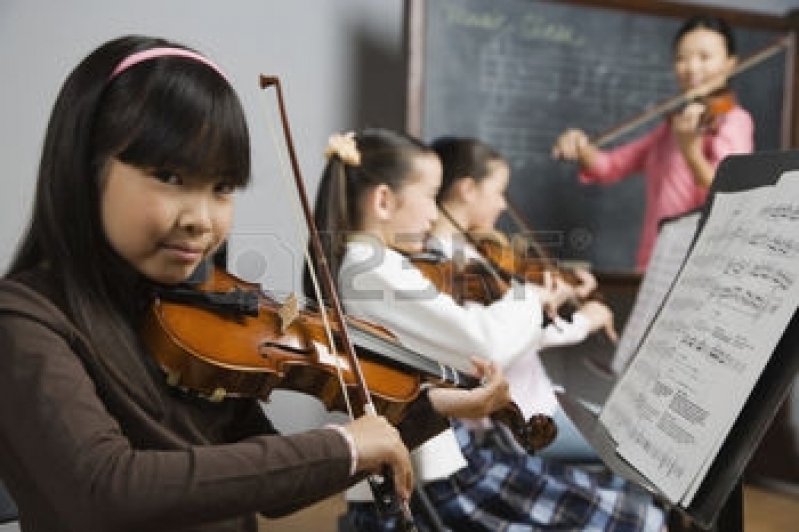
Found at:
[173, 377]
[217, 395]
[288, 312]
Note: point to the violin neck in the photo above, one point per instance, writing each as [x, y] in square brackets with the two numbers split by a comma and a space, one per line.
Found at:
[409, 359]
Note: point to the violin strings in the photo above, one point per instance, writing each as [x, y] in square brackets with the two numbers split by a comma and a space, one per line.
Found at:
[300, 222]
[490, 267]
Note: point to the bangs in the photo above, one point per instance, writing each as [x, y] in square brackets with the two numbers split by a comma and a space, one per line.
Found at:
[192, 124]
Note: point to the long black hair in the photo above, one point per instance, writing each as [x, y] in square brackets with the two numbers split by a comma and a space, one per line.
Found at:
[717, 24]
[167, 112]
[463, 157]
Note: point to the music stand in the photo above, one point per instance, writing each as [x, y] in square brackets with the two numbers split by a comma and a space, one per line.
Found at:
[719, 498]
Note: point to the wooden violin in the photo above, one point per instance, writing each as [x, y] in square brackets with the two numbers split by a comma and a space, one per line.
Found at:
[528, 258]
[716, 104]
[226, 338]
[469, 281]
[514, 257]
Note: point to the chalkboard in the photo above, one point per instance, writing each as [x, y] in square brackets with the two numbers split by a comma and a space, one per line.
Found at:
[516, 73]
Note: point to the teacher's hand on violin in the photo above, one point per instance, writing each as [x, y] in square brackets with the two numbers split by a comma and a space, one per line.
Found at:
[688, 126]
[378, 444]
[574, 145]
[475, 403]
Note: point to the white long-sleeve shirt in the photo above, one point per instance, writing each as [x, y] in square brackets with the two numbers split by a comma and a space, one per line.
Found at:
[380, 285]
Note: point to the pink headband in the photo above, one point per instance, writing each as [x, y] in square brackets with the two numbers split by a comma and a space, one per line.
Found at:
[152, 53]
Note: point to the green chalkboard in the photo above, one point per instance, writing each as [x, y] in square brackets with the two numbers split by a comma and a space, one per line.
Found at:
[516, 73]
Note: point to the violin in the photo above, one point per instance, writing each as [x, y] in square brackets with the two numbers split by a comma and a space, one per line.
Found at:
[514, 258]
[529, 258]
[469, 281]
[503, 263]
[226, 338]
[479, 282]
[716, 104]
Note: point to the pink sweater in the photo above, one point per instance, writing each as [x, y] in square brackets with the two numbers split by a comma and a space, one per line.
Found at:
[670, 186]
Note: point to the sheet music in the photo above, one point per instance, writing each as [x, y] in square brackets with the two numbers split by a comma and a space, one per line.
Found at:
[671, 247]
[673, 408]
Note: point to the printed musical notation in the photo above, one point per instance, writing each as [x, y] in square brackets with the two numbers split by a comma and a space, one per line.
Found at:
[776, 244]
[671, 248]
[716, 330]
[781, 211]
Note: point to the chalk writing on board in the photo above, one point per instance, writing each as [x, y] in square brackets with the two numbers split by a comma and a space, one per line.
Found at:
[516, 73]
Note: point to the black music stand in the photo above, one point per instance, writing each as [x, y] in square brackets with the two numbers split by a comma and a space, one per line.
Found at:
[719, 500]
[8, 509]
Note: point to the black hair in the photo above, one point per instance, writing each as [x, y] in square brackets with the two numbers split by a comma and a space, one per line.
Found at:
[463, 157]
[386, 157]
[717, 24]
[168, 112]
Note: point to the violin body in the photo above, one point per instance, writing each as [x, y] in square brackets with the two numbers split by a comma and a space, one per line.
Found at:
[219, 353]
[471, 281]
[717, 104]
[511, 258]
[525, 260]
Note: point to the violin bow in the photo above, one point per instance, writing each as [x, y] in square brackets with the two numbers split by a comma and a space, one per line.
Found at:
[382, 485]
[516, 215]
[492, 268]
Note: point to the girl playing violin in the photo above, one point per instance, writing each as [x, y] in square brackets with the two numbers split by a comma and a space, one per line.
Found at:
[471, 199]
[146, 145]
[377, 205]
[679, 157]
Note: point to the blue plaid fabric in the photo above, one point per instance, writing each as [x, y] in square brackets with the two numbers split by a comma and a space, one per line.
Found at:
[505, 490]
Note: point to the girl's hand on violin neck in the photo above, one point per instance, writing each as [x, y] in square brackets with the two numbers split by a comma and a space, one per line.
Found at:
[554, 292]
[586, 283]
[478, 402]
[378, 443]
[600, 317]
[573, 145]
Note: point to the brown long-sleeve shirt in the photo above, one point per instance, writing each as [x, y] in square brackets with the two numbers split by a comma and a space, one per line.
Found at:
[79, 453]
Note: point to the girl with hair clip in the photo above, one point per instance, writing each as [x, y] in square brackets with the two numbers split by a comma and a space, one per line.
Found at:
[679, 157]
[377, 204]
[146, 145]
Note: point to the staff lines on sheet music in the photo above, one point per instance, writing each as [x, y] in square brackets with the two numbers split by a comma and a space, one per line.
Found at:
[775, 244]
[714, 351]
[774, 276]
[665, 459]
[744, 301]
[787, 211]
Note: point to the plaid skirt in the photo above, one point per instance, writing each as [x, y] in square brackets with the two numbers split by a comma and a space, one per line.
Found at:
[503, 489]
